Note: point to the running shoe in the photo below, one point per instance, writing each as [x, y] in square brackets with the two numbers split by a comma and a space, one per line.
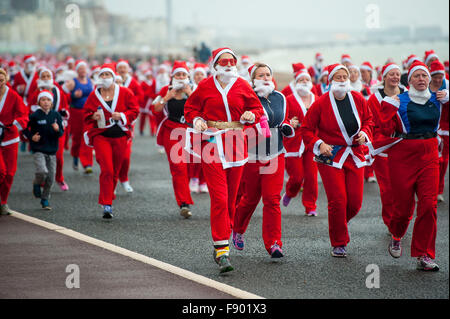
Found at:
[286, 200]
[126, 185]
[312, 213]
[88, 170]
[75, 163]
[440, 198]
[64, 187]
[4, 210]
[223, 261]
[395, 248]
[45, 204]
[194, 186]
[372, 179]
[185, 211]
[107, 212]
[425, 263]
[238, 241]
[276, 251]
[339, 252]
[204, 188]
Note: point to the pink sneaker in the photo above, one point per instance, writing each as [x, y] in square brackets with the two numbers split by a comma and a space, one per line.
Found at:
[64, 187]
[285, 200]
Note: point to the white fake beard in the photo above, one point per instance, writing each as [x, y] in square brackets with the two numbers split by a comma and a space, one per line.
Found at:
[105, 83]
[303, 89]
[60, 78]
[45, 84]
[263, 88]
[179, 84]
[30, 68]
[162, 80]
[357, 85]
[340, 89]
[419, 97]
[226, 74]
[70, 75]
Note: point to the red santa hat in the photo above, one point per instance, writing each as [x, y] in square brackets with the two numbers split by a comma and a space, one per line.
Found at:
[388, 67]
[429, 55]
[252, 70]
[122, 62]
[45, 93]
[218, 52]
[446, 64]
[332, 69]
[366, 66]
[29, 58]
[437, 67]
[302, 73]
[45, 69]
[245, 59]
[346, 58]
[199, 67]
[80, 63]
[179, 66]
[108, 67]
[69, 59]
[296, 67]
[324, 72]
[411, 59]
[418, 65]
[95, 68]
[319, 56]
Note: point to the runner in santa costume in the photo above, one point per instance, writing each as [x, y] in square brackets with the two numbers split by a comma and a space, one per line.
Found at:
[162, 80]
[346, 60]
[439, 83]
[322, 86]
[366, 70]
[358, 85]
[108, 114]
[296, 67]
[61, 106]
[25, 81]
[245, 64]
[429, 57]
[335, 128]
[13, 118]
[148, 88]
[220, 107]
[263, 175]
[411, 120]
[390, 87]
[197, 182]
[409, 60]
[172, 131]
[300, 166]
[80, 88]
[316, 69]
[123, 69]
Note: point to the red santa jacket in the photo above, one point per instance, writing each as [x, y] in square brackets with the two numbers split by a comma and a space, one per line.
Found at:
[323, 123]
[60, 104]
[295, 146]
[289, 89]
[149, 94]
[135, 87]
[13, 116]
[30, 84]
[124, 102]
[211, 102]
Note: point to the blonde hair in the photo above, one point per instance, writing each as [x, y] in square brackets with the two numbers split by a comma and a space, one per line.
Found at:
[2, 71]
[260, 65]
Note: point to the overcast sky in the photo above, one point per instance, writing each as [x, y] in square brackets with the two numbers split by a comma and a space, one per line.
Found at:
[323, 14]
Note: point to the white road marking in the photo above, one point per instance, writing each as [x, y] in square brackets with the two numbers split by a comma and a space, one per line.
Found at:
[235, 292]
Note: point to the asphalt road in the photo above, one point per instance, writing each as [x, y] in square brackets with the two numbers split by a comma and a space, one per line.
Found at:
[148, 222]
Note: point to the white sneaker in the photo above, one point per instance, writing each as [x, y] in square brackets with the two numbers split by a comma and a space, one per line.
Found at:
[194, 186]
[372, 179]
[161, 150]
[440, 198]
[126, 185]
[204, 188]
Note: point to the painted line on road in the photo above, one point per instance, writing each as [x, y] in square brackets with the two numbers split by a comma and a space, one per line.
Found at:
[235, 292]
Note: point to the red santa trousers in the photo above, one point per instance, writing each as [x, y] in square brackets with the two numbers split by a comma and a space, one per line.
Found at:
[344, 188]
[123, 174]
[303, 171]
[8, 168]
[178, 164]
[414, 169]
[443, 164]
[59, 178]
[381, 169]
[79, 147]
[109, 153]
[258, 184]
[223, 185]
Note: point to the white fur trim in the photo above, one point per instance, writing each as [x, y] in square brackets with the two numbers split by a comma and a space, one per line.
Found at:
[222, 52]
[434, 55]
[392, 101]
[389, 68]
[45, 94]
[416, 68]
[316, 148]
[337, 68]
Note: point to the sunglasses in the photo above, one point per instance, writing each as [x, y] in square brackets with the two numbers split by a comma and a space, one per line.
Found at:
[224, 62]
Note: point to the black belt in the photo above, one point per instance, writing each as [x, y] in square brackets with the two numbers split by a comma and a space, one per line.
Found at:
[175, 119]
[416, 136]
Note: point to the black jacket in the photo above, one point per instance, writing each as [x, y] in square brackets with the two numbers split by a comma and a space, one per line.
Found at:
[42, 123]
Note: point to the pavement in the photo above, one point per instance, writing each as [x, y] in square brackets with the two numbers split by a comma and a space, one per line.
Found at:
[148, 223]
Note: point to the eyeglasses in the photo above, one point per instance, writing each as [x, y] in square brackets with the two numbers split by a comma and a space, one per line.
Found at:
[224, 62]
